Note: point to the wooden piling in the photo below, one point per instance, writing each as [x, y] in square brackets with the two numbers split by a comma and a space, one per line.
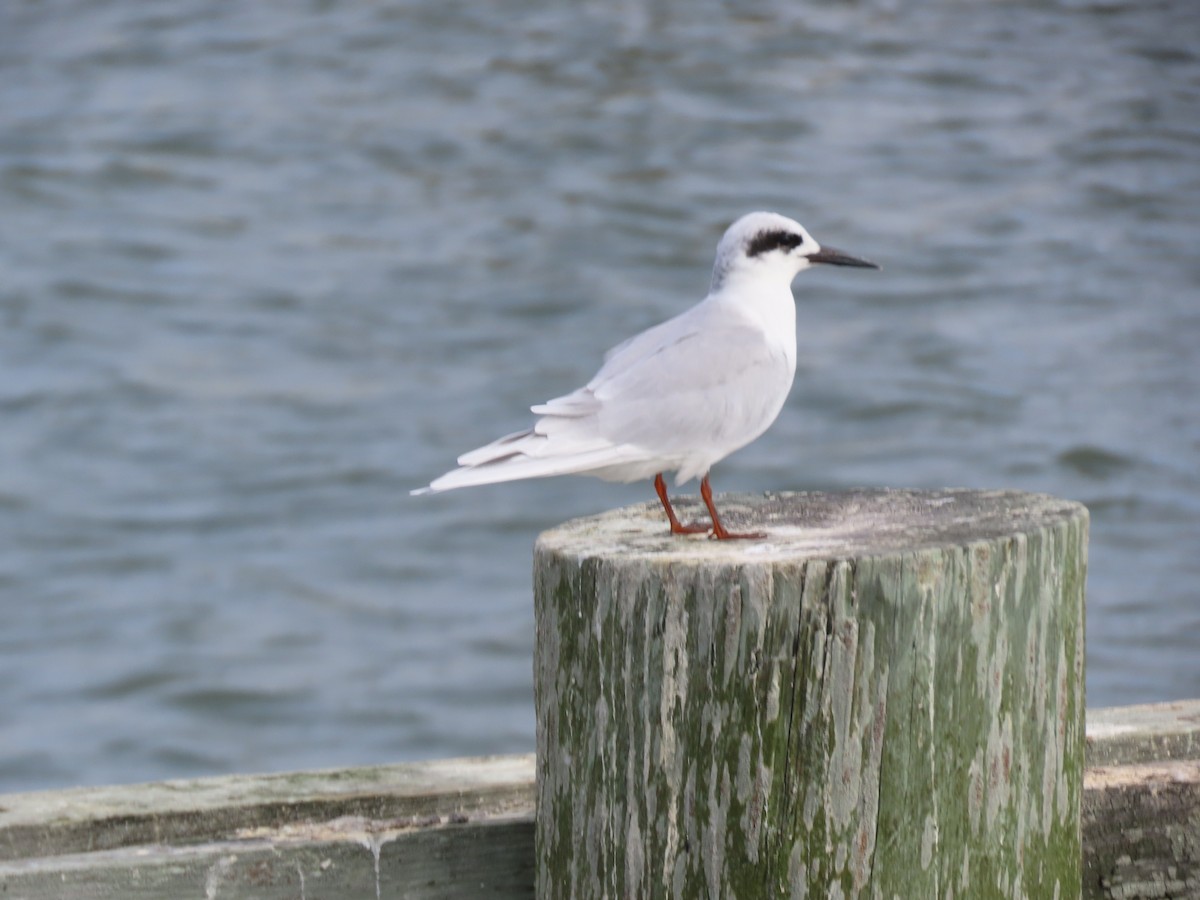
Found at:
[885, 698]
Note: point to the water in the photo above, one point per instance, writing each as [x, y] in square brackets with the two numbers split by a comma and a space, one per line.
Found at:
[263, 268]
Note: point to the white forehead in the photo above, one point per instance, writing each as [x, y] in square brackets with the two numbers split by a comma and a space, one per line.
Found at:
[744, 230]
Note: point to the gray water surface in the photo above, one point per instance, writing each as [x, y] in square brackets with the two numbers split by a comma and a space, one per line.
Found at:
[266, 267]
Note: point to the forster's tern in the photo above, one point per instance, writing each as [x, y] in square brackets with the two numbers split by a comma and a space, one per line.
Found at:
[684, 394]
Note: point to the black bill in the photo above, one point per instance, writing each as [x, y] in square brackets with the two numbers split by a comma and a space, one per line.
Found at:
[835, 257]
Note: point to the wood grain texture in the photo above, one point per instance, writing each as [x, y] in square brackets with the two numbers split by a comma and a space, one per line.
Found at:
[1142, 823]
[883, 699]
[443, 829]
[1141, 802]
[465, 828]
[1150, 732]
[343, 858]
[55, 823]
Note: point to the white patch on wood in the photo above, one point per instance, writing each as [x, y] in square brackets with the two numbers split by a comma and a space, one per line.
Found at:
[216, 875]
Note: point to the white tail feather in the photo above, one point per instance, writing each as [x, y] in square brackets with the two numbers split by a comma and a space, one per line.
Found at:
[497, 449]
[519, 467]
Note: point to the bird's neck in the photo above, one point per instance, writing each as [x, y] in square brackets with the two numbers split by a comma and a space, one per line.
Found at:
[768, 303]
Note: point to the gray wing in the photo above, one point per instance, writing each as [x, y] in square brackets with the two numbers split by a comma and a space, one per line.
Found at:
[694, 381]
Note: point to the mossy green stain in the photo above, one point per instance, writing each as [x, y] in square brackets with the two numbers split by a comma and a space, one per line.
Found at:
[904, 657]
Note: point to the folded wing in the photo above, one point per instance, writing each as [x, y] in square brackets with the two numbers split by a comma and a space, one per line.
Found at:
[678, 396]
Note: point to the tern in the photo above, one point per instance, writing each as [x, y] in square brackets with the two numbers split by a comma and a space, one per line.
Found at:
[682, 395]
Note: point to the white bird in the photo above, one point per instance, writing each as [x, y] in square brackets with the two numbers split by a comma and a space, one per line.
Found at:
[684, 394]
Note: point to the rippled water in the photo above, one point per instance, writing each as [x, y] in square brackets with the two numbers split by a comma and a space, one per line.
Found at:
[263, 268]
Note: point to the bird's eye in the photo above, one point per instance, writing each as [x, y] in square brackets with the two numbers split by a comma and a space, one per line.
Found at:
[766, 241]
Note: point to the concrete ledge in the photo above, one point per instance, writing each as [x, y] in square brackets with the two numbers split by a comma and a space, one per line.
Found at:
[464, 828]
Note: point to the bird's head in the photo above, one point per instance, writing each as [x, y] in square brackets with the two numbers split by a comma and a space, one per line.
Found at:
[765, 245]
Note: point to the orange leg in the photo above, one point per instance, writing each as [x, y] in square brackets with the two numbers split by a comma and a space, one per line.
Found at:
[719, 531]
[660, 488]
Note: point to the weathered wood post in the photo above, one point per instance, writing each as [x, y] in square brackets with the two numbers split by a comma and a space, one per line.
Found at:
[884, 699]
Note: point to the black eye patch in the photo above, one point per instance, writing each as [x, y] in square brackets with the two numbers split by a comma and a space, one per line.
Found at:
[766, 241]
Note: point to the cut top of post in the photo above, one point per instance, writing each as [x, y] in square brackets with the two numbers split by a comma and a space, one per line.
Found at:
[815, 525]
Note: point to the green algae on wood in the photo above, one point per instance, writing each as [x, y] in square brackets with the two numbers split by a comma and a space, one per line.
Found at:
[884, 698]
